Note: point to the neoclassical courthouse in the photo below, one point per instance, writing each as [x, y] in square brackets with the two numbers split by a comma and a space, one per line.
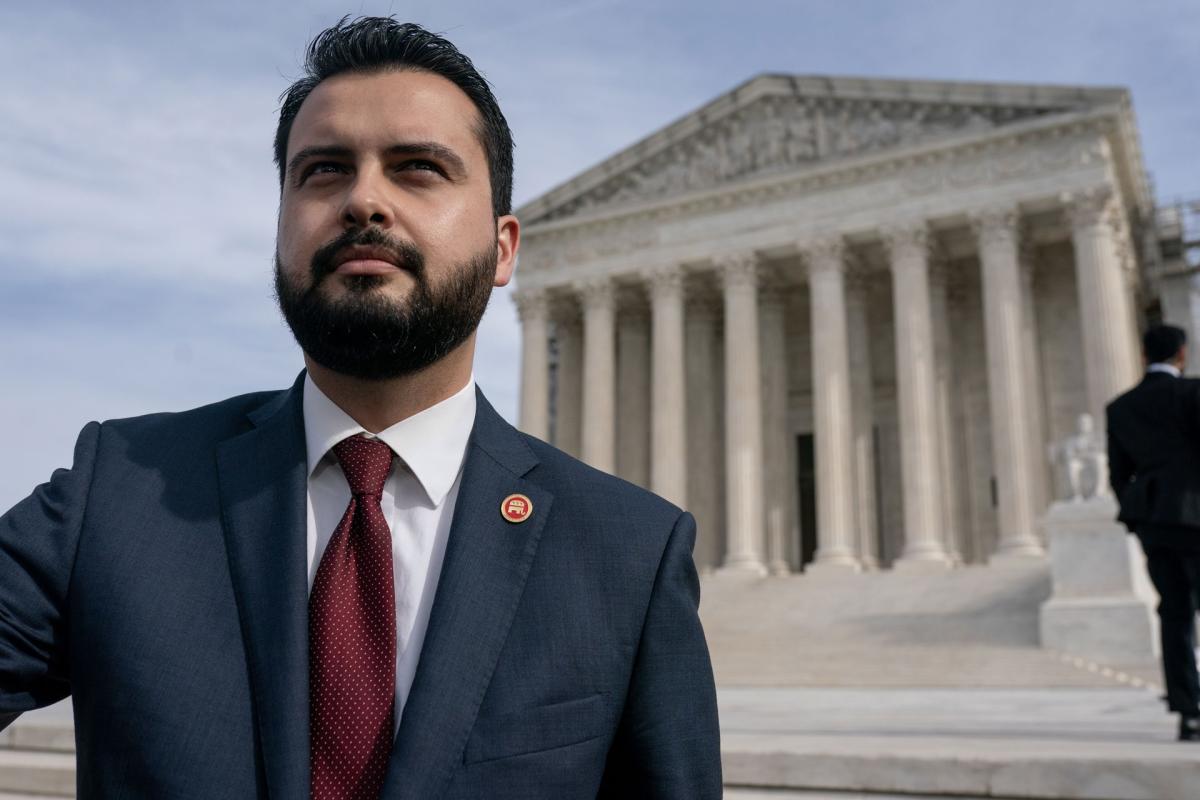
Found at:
[844, 321]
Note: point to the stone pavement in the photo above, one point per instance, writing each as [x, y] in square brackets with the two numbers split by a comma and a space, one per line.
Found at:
[1115, 744]
[850, 743]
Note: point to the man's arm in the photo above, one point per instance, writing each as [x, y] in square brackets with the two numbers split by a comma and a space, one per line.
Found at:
[38, 540]
[1120, 463]
[668, 742]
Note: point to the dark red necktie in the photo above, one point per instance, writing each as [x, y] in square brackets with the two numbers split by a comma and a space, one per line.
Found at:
[352, 637]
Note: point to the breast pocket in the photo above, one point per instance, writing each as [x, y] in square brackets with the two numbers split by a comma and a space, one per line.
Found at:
[532, 730]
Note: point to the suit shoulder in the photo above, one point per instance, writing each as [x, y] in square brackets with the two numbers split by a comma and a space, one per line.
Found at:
[593, 490]
[220, 419]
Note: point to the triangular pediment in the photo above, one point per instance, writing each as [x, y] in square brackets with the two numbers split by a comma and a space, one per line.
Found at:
[779, 123]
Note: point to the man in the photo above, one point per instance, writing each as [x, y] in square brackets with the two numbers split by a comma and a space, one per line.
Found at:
[1154, 463]
[368, 585]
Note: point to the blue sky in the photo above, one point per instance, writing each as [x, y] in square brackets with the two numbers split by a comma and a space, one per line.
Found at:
[138, 199]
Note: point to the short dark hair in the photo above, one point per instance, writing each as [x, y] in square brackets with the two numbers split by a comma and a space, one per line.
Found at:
[1163, 342]
[378, 44]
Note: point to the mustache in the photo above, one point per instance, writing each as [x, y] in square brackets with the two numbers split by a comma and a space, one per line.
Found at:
[404, 254]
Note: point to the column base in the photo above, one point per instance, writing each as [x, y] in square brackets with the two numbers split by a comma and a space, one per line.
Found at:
[779, 568]
[1017, 557]
[833, 567]
[1018, 550]
[929, 560]
[742, 567]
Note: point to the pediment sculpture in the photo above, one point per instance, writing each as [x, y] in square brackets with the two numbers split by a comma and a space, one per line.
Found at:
[780, 133]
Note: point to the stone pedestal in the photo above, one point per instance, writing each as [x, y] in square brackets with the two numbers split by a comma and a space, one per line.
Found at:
[1103, 604]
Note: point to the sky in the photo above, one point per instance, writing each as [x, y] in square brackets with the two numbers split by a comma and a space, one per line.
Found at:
[138, 197]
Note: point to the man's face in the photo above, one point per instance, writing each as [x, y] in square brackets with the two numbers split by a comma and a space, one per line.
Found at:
[387, 246]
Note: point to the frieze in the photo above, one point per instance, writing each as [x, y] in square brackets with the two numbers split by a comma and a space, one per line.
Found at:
[779, 133]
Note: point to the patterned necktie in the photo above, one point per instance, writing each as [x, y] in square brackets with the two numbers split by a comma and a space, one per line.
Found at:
[352, 637]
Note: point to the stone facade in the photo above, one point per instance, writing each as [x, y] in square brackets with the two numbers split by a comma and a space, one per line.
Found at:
[841, 320]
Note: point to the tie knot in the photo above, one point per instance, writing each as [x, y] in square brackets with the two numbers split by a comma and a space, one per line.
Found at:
[365, 462]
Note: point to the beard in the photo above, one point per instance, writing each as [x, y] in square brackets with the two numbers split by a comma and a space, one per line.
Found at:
[368, 335]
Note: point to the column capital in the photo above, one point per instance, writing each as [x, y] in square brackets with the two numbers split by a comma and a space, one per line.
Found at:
[906, 241]
[737, 270]
[663, 281]
[996, 225]
[826, 254]
[531, 303]
[1091, 207]
[596, 293]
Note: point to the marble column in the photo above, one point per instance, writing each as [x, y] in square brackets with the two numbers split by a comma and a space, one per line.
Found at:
[916, 396]
[705, 497]
[668, 426]
[996, 230]
[777, 483]
[832, 410]
[568, 401]
[1103, 300]
[599, 373]
[1032, 357]
[743, 415]
[633, 392]
[949, 466]
[862, 402]
[533, 311]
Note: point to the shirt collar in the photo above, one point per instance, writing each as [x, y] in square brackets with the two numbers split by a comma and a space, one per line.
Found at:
[433, 442]
[1170, 369]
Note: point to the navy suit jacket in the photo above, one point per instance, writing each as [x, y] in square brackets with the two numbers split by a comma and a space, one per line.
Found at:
[1154, 459]
[161, 582]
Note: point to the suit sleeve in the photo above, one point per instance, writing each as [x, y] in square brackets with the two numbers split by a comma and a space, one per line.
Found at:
[668, 741]
[38, 539]
[1120, 463]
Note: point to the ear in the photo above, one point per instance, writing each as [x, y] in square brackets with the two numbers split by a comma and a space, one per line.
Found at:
[508, 240]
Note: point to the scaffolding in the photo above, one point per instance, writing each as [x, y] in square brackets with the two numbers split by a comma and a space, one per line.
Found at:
[1177, 226]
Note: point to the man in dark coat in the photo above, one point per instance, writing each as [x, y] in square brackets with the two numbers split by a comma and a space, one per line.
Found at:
[369, 585]
[1154, 459]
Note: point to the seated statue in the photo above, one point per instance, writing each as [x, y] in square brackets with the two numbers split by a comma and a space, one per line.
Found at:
[1085, 456]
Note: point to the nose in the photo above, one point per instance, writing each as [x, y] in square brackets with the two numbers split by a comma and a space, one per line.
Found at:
[366, 202]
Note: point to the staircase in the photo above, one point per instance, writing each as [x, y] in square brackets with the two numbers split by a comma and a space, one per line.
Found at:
[971, 627]
[37, 756]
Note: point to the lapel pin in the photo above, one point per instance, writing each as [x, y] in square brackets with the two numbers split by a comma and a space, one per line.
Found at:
[516, 508]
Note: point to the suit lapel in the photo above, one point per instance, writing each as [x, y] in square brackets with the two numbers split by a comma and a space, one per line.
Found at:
[483, 575]
[263, 483]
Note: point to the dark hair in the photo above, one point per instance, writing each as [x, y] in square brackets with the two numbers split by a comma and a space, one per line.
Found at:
[1163, 342]
[377, 44]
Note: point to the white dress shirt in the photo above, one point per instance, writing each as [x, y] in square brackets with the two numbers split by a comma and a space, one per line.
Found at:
[418, 503]
[1170, 369]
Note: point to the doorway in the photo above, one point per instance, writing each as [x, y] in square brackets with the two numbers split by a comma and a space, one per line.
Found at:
[806, 474]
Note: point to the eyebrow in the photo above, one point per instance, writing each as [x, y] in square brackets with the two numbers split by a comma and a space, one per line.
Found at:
[438, 151]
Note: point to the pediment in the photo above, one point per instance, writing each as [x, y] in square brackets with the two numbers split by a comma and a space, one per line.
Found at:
[777, 123]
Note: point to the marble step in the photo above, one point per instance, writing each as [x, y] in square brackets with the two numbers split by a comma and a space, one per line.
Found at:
[52, 736]
[805, 766]
[38, 773]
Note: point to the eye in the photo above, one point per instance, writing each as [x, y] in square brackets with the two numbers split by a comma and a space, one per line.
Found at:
[318, 168]
[420, 165]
